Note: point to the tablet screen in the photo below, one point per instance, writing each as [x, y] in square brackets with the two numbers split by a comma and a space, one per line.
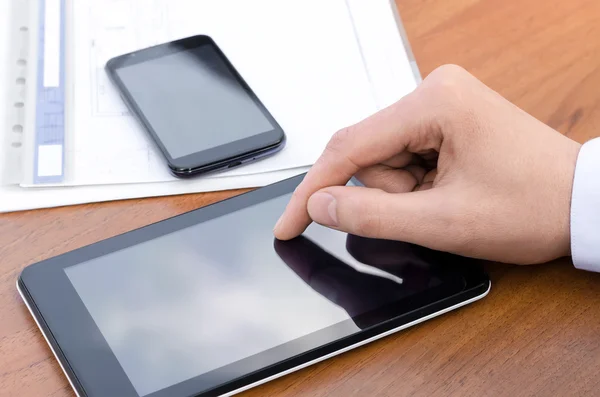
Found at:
[222, 298]
[195, 102]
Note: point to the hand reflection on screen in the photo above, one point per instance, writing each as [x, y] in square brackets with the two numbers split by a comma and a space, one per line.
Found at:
[354, 291]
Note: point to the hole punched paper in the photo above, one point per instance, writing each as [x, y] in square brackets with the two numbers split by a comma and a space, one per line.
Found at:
[317, 66]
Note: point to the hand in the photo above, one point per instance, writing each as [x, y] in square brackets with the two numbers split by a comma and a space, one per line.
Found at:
[452, 166]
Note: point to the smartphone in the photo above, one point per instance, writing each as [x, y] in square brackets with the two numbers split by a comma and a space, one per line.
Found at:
[194, 104]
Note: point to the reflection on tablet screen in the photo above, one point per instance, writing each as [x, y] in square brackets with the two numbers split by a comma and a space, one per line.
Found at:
[199, 299]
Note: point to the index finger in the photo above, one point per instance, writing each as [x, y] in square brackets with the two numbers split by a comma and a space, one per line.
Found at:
[373, 140]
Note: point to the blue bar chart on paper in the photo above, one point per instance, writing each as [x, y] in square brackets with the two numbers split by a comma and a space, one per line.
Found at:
[50, 94]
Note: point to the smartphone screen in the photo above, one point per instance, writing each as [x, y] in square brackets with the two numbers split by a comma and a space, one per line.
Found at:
[194, 103]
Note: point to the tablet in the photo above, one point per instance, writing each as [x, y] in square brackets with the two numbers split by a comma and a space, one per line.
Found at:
[209, 303]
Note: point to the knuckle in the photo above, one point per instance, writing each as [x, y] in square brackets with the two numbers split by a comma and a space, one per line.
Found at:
[446, 82]
[448, 73]
[447, 89]
[365, 220]
[341, 147]
[367, 225]
[339, 140]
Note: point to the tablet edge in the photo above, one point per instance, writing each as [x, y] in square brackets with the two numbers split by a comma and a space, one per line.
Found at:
[291, 370]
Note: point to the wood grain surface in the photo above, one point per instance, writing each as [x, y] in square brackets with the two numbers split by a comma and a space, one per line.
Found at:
[537, 333]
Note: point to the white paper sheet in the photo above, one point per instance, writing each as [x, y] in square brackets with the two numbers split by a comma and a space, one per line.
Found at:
[16, 198]
[301, 58]
[384, 56]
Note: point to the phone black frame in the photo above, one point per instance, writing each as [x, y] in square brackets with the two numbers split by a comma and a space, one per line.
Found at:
[94, 370]
[225, 156]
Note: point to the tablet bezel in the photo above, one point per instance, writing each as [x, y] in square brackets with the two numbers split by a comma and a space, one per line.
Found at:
[89, 362]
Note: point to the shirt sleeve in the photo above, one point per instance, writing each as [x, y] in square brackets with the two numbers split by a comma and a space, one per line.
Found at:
[585, 208]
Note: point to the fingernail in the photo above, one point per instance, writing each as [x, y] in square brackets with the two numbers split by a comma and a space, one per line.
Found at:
[322, 208]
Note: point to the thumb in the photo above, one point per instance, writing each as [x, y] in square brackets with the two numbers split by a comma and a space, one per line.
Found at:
[414, 217]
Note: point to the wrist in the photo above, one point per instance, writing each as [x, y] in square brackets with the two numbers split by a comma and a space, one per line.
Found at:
[560, 184]
[570, 171]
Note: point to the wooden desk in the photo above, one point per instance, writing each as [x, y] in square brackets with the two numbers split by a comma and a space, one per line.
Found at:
[537, 333]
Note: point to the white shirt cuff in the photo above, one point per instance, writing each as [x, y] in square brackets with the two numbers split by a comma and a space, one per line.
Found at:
[585, 208]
